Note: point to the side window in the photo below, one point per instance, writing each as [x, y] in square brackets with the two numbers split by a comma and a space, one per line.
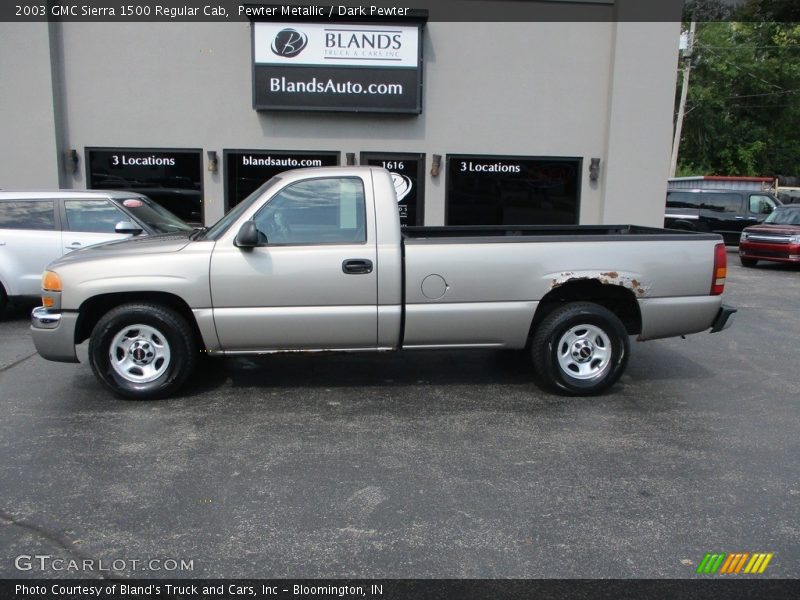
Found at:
[317, 211]
[727, 203]
[27, 214]
[761, 205]
[683, 200]
[93, 216]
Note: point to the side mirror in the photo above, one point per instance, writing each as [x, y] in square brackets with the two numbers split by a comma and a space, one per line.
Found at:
[247, 236]
[127, 227]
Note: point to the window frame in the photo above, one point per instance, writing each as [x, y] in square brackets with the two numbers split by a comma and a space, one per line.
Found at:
[57, 223]
[66, 224]
[306, 244]
[709, 205]
[760, 195]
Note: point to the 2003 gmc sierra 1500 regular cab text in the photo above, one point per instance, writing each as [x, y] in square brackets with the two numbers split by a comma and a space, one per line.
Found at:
[316, 259]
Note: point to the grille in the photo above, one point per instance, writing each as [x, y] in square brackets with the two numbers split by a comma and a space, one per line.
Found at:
[771, 239]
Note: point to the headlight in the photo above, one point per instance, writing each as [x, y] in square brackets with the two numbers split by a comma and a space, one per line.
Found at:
[743, 237]
[51, 290]
[51, 282]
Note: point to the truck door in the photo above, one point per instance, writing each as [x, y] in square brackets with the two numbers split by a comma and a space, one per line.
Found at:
[312, 281]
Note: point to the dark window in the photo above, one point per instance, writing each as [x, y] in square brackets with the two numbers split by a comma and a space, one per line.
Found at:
[27, 214]
[247, 170]
[683, 200]
[95, 216]
[173, 178]
[510, 190]
[317, 211]
[729, 203]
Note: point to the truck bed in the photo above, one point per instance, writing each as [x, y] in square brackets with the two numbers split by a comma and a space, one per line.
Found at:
[550, 233]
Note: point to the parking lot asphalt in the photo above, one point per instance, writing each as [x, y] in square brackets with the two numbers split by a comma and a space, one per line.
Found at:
[418, 465]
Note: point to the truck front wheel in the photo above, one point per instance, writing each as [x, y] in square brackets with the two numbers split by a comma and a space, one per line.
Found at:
[580, 349]
[142, 351]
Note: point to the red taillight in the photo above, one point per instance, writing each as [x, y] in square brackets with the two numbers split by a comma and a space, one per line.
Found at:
[720, 270]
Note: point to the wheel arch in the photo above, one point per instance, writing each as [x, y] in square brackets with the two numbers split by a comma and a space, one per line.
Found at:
[92, 309]
[619, 299]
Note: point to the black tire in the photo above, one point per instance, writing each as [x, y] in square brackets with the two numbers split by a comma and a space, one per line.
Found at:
[748, 262]
[580, 349]
[154, 351]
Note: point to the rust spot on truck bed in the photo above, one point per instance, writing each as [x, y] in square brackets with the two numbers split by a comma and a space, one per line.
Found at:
[604, 277]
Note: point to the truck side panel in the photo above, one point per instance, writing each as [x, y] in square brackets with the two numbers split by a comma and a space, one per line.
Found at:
[475, 276]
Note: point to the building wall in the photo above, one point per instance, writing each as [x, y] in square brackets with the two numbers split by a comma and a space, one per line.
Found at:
[552, 89]
[27, 111]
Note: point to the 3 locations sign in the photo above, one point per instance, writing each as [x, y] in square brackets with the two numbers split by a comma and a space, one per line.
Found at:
[337, 67]
[246, 170]
[512, 190]
[173, 178]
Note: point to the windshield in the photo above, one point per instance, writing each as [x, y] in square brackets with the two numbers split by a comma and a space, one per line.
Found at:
[155, 216]
[784, 216]
[218, 228]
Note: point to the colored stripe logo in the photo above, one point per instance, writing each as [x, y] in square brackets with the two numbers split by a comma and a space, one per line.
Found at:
[722, 563]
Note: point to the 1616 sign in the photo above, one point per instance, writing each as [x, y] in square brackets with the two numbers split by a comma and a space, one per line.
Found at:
[337, 67]
[409, 183]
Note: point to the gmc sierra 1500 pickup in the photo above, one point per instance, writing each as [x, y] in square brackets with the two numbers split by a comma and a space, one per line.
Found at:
[316, 259]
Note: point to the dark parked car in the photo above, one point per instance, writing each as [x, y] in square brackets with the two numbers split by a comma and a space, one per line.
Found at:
[776, 239]
[726, 212]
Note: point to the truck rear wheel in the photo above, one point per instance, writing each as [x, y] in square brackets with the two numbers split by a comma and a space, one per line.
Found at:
[3, 300]
[142, 351]
[580, 349]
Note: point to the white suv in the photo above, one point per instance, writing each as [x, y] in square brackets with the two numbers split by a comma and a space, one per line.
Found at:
[39, 227]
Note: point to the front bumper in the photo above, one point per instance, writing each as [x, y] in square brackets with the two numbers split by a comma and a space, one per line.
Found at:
[724, 318]
[765, 251]
[53, 334]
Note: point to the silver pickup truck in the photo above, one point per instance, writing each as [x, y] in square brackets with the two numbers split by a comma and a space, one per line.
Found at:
[316, 259]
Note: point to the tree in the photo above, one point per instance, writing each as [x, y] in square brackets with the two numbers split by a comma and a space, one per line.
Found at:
[743, 108]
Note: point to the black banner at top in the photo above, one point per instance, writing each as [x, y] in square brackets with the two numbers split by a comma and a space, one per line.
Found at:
[386, 10]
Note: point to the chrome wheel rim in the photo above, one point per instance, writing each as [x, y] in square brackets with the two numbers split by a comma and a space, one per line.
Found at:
[584, 352]
[139, 353]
